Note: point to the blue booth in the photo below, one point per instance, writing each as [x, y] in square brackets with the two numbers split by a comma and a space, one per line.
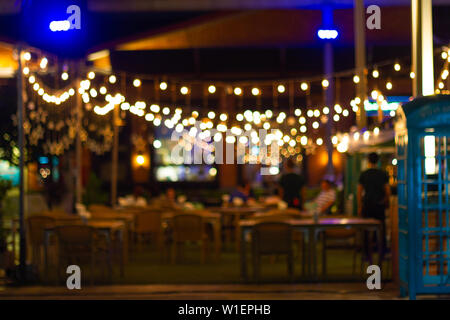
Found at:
[423, 157]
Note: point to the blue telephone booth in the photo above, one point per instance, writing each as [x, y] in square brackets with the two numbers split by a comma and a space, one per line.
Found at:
[423, 160]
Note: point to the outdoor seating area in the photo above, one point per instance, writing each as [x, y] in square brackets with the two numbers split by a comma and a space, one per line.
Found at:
[112, 243]
[187, 144]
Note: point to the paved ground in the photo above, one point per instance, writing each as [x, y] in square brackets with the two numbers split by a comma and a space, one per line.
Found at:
[329, 291]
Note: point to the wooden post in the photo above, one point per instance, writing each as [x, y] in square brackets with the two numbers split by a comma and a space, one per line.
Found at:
[78, 147]
[21, 142]
[115, 156]
[360, 60]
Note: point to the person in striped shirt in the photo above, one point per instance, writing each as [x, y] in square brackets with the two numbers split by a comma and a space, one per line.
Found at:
[326, 197]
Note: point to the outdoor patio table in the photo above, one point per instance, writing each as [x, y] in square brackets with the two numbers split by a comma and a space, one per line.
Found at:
[312, 228]
[127, 217]
[106, 227]
[237, 213]
[209, 218]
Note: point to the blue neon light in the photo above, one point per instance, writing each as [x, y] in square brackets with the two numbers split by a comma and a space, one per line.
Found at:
[62, 25]
[327, 34]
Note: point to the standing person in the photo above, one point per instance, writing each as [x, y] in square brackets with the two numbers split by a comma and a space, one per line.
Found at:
[292, 186]
[373, 196]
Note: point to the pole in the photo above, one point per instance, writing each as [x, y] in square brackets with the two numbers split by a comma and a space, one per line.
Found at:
[78, 150]
[422, 47]
[360, 60]
[20, 114]
[115, 156]
[327, 17]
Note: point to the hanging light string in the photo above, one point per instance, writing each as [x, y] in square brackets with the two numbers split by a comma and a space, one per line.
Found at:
[156, 114]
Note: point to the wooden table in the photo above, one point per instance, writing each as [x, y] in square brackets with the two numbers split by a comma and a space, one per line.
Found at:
[127, 217]
[311, 229]
[237, 213]
[106, 227]
[210, 218]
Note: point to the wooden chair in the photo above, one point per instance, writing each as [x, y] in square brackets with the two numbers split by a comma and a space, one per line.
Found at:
[79, 244]
[272, 238]
[148, 225]
[36, 226]
[297, 236]
[188, 227]
[342, 238]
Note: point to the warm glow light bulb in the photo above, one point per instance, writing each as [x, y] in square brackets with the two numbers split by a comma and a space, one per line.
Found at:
[184, 90]
[112, 79]
[375, 73]
[211, 89]
[136, 83]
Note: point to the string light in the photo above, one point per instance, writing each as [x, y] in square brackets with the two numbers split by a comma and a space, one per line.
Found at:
[356, 79]
[211, 115]
[389, 85]
[27, 56]
[237, 91]
[184, 90]
[319, 141]
[255, 91]
[304, 86]
[93, 92]
[375, 73]
[91, 75]
[325, 83]
[64, 76]
[211, 89]
[412, 75]
[103, 90]
[43, 63]
[281, 88]
[136, 83]
[163, 85]
[112, 79]
[397, 67]
[223, 117]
